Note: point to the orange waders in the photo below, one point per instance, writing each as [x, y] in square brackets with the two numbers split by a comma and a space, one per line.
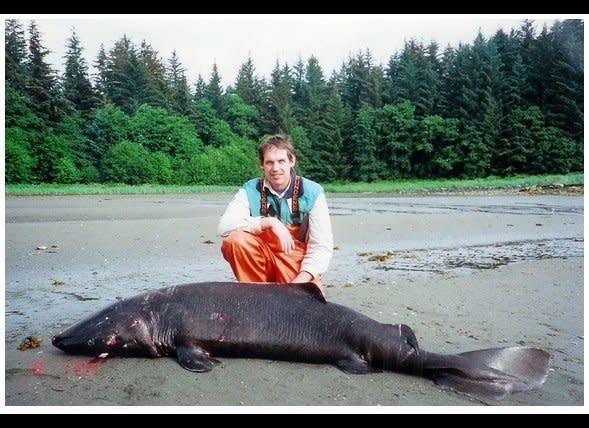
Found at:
[258, 258]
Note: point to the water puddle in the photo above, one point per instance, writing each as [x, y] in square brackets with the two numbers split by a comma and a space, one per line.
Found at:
[452, 205]
[446, 259]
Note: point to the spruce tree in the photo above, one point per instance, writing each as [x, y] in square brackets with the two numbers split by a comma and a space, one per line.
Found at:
[365, 165]
[156, 92]
[101, 77]
[126, 79]
[41, 86]
[15, 55]
[214, 92]
[77, 87]
[245, 83]
[199, 89]
[179, 100]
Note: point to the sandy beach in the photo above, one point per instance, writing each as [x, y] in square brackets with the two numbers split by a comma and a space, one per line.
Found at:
[465, 272]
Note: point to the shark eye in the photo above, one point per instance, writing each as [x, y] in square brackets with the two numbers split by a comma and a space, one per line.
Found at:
[91, 342]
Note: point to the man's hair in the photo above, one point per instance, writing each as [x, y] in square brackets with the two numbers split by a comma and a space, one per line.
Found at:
[279, 142]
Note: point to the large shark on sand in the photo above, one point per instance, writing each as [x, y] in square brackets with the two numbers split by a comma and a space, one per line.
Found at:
[198, 322]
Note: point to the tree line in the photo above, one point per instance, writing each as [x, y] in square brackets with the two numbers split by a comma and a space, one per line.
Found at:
[509, 104]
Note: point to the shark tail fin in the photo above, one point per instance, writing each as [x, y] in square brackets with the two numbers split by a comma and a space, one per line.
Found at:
[490, 373]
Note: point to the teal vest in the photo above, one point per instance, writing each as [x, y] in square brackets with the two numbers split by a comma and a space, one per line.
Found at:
[308, 194]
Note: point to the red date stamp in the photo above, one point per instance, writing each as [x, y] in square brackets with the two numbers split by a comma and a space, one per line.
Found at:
[74, 369]
[81, 369]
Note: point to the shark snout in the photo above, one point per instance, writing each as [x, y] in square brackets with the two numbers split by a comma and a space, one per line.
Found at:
[56, 340]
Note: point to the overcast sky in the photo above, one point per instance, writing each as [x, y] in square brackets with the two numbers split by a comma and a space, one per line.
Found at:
[227, 40]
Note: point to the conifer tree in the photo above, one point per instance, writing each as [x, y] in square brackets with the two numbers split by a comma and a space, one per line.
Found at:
[214, 92]
[354, 81]
[245, 83]
[15, 55]
[156, 91]
[126, 79]
[251, 89]
[199, 89]
[101, 77]
[76, 83]
[179, 100]
[362, 150]
[334, 123]
[41, 85]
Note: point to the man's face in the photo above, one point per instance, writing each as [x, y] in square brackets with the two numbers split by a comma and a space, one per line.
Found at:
[277, 166]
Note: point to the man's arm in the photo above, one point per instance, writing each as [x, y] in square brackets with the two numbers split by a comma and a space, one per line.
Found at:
[319, 244]
[237, 216]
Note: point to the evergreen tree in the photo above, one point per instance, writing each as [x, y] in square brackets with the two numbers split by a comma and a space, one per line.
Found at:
[325, 139]
[533, 67]
[126, 79]
[279, 113]
[214, 92]
[334, 123]
[364, 162]
[179, 93]
[512, 80]
[199, 89]
[15, 55]
[101, 77]
[414, 75]
[375, 82]
[564, 87]
[390, 91]
[449, 88]
[252, 90]
[298, 88]
[245, 83]
[77, 87]
[354, 81]
[156, 91]
[302, 146]
[395, 127]
[41, 85]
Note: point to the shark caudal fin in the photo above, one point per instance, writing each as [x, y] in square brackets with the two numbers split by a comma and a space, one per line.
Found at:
[490, 373]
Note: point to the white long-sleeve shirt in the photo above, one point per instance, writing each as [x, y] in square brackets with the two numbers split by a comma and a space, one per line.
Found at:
[320, 236]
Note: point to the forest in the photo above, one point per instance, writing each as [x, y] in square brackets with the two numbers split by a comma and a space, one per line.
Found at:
[510, 104]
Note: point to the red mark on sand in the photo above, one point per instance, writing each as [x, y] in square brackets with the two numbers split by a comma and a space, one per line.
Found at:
[38, 366]
[83, 369]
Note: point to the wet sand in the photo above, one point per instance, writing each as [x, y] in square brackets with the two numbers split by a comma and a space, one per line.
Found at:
[465, 272]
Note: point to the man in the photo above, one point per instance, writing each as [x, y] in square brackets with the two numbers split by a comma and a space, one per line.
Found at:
[277, 228]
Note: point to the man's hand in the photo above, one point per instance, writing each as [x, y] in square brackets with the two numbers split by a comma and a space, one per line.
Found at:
[305, 276]
[287, 244]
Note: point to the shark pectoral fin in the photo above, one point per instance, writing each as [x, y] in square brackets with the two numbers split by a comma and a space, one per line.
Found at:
[353, 365]
[195, 359]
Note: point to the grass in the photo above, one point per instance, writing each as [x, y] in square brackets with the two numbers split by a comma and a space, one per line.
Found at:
[110, 189]
[389, 186]
[441, 185]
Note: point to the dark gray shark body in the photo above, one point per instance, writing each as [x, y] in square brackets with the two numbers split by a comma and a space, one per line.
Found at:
[197, 322]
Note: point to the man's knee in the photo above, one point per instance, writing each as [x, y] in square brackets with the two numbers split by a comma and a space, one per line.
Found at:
[236, 240]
